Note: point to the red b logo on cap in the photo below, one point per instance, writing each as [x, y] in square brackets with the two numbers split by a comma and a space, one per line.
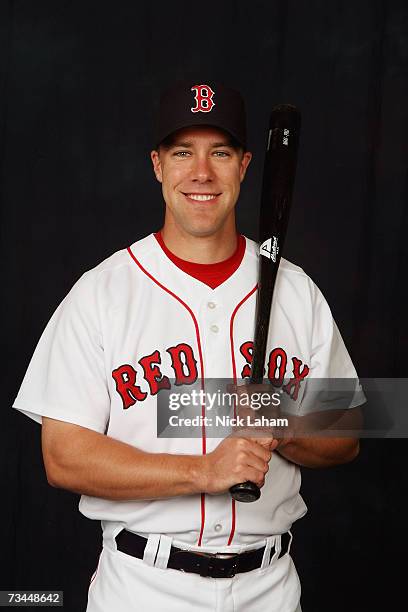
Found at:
[203, 98]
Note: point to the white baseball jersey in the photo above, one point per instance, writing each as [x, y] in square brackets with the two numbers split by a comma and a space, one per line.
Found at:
[137, 320]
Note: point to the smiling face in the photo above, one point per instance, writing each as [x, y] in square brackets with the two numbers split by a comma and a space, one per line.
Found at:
[201, 173]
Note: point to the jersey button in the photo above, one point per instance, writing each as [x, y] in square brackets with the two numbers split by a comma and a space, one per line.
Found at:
[211, 305]
[217, 527]
[214, 328]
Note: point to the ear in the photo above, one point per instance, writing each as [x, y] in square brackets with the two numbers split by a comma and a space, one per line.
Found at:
[155, 157]
[246, 158]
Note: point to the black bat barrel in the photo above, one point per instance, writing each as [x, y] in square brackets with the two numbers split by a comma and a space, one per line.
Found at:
[276, 196]
[277, 187]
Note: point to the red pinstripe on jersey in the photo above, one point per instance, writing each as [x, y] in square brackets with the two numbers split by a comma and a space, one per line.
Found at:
[234, 375]
[203, 438]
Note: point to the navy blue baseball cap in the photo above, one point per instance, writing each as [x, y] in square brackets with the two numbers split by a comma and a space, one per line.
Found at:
[191, 103]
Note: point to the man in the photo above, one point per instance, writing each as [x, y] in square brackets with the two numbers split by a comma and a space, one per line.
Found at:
[176, 307]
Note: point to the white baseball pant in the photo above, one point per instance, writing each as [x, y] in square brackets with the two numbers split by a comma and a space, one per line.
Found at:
[124, 583]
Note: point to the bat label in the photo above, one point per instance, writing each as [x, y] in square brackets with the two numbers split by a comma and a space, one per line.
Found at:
[270, 248]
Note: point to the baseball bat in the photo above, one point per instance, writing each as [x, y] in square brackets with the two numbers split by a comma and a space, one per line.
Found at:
[277, 187]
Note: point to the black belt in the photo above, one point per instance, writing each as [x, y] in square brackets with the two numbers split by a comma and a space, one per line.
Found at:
[205, 564]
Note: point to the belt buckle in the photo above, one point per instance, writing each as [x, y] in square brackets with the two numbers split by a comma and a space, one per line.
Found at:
[213, 565]
[215, 568]
[225, 555]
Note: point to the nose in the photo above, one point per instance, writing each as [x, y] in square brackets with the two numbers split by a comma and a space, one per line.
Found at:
[202, 170]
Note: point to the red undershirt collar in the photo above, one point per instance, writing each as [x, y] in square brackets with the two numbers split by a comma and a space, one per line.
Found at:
[213, 274]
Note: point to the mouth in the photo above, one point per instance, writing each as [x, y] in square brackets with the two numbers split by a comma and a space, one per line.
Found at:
[201, 197]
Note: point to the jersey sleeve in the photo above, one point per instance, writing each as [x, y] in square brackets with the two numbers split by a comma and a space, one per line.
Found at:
[333, 381]
[66, 377]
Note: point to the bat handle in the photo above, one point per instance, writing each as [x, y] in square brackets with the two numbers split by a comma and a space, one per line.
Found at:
[245, 492]
[248, 491]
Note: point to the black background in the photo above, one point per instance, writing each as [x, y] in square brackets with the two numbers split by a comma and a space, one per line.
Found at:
[79, 82]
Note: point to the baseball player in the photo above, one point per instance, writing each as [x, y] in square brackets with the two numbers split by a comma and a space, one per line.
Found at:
[173, 308]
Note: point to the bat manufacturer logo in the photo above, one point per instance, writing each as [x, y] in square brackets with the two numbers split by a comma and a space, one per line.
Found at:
[204, 99]
[270, 248]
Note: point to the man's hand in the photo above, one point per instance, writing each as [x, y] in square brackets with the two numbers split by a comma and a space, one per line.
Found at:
[308, 440]
[237, 459]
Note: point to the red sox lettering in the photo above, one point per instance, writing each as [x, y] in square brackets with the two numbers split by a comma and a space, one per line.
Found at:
[277, 363]
[182, 361]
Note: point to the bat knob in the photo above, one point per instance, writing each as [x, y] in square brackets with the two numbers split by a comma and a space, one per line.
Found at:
[245, 492]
